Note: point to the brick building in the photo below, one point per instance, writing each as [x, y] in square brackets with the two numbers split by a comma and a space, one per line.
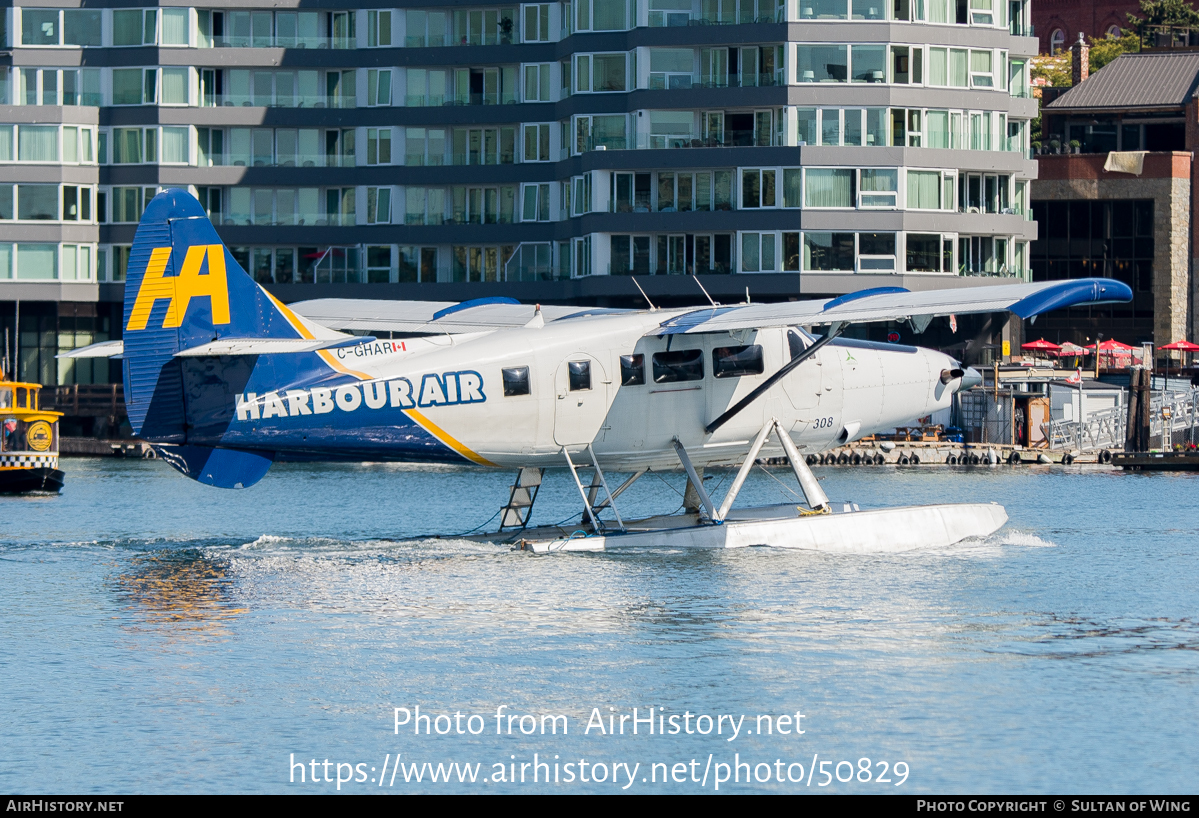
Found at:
[1057, 23]
[1124, 206]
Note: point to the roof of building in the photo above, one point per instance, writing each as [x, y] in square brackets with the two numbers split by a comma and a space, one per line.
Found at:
[1147, 80]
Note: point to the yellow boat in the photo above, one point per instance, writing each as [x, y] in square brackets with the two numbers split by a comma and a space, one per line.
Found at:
[28, 440]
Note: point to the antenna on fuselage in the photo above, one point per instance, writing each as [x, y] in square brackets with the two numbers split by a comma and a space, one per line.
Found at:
[705, 292]
[652, 308]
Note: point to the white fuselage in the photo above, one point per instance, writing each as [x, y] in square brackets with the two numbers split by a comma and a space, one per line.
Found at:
[846, 390]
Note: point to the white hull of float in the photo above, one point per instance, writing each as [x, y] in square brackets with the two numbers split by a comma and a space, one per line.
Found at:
[849, 532]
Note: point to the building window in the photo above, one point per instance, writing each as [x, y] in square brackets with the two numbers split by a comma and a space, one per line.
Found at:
[537, 23]
[134, 27]
[1056, 40]
[378, 146]
[424, 146]
[44, 27]
[828, 252]
[537, 83]
[378, 205]
[378, 264]
[1086, 238]
[378, 87]
[822, 63]
[378, 29]
[536, 203]
[537, 143]
[134, 86]
[417, 264]
[758, 187]
[758, 252]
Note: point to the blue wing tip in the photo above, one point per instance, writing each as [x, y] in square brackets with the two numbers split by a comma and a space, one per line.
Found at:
[1070, 293]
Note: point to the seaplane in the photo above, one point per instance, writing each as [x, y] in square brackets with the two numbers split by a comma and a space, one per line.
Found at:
[223, 379]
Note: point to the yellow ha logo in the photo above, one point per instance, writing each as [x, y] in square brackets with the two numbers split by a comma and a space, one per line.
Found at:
[182, 288]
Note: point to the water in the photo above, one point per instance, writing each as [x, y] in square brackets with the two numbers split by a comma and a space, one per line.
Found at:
[159, 635]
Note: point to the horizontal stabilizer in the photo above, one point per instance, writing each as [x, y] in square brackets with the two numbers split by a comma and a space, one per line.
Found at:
[104, 349]
[262, 346]
[1025, 300]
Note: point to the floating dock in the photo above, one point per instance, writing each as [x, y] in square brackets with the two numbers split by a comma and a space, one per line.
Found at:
[1156, 461]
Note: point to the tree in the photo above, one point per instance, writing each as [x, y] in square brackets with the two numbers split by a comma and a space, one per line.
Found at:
[1103, 51]
[1053, 71]
[1165, 13]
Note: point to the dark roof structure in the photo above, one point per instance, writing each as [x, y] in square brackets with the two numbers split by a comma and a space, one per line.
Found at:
[1147, 80]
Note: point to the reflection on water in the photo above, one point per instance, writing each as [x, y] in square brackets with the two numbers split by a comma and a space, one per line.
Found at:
[1067, 641]
[183, 588]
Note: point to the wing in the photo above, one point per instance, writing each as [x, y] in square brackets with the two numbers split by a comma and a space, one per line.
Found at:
[896, 304]
[431, 317]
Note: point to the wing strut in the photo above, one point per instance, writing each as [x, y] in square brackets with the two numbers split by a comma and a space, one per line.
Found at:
[832, 333]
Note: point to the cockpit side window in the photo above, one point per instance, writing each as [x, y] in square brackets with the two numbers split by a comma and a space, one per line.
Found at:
[733, 362]
[798, 341]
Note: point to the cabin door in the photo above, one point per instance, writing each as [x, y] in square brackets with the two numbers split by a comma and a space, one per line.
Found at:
[580, 400]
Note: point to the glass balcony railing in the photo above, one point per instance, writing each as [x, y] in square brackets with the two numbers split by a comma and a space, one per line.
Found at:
[438, 100]
[289, 220]
[317, 160]
[729, 138]
[268, 101]
[247, 41]
[662, 81]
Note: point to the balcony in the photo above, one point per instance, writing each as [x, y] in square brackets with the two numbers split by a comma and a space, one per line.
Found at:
[1169, 38]
[269, 101]
[247, 41]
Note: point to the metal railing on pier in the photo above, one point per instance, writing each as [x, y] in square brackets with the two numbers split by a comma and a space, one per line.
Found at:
[1169, 414]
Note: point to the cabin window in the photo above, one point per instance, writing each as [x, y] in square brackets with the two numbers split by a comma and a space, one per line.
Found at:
[21, 399]
[632, 370]
[516, 381]
[580, 375]
[684, 365]
[733, 362]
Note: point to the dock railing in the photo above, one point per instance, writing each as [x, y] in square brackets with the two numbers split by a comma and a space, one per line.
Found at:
[1169, 413]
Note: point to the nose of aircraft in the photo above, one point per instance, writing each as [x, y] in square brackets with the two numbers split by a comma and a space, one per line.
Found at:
[970, 378]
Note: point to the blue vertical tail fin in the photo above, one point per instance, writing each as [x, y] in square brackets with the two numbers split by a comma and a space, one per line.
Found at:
[184, 289]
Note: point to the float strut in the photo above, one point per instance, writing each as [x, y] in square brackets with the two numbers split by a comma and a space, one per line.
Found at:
[604, 481]
[621, 488]
[696, 482]
[743, 472]
[815, 495]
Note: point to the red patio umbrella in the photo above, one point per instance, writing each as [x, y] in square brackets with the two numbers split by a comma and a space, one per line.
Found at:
[1113, 349]
[1041, 345]
[1180, 346]
[1112, 345]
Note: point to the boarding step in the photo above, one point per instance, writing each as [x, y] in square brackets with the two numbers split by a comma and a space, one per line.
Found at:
[520, 501]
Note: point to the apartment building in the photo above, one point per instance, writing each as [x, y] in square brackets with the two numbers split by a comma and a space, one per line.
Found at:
[781, 148]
